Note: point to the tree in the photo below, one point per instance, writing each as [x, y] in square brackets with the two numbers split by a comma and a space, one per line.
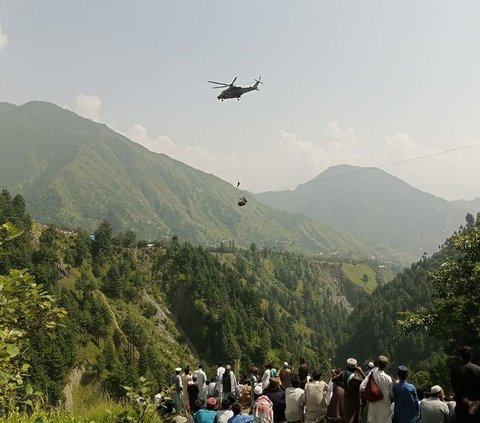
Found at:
[455, 287]
[470, 220]
[19, 248]
[26, 308]
[126, 239]
[46, 261]
[85, 284]
[81, 247]
[102, 244]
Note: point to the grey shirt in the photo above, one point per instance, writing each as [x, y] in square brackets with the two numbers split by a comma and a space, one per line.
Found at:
[433, 410]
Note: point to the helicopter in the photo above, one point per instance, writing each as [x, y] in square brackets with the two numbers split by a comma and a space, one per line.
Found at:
[235, 92]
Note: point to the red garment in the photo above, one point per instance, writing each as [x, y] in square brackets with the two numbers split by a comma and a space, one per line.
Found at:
[263, 410]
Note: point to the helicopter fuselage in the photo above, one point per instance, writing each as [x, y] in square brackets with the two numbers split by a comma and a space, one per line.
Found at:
[231, 91]
[236, 92]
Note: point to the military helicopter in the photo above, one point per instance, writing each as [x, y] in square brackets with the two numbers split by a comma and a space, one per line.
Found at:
[235, 92]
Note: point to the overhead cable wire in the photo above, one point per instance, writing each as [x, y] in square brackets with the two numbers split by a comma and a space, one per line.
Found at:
[381, 166]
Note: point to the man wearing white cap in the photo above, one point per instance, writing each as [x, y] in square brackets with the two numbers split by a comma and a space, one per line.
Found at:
[285, 375]
[263, 407]
[176, 381]
[228, 382]
[434, 409]
[351, 378]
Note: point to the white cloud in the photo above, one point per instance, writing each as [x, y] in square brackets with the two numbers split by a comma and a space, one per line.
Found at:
[343, 136]
[88, 106]
[402, 147]
[194, 156]
[3, 39]
[290, 161]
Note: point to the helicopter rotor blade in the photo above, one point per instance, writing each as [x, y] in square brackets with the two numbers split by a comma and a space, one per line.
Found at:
[221, 86]
[233, 82]
[219, 83]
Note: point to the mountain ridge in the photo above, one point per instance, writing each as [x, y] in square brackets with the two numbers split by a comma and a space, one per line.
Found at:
[373, 205]
[76, 172]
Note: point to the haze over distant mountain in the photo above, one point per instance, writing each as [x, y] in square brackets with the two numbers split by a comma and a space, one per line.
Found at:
[76, 172]
[374, 205]
[469, 206]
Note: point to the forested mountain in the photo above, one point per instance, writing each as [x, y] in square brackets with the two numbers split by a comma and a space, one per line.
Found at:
[135, 309]
[75, 172]
[139, 309]
[383, 322]
[374, 205]
[372, 329]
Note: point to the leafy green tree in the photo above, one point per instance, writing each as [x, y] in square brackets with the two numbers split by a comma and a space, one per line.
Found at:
[26, 308]
[455, 287]
[141, 408]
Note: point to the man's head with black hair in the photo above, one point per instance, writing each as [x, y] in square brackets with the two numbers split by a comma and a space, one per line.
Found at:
[402, 372]
[236, 408]
[295, 382]
[465, 352]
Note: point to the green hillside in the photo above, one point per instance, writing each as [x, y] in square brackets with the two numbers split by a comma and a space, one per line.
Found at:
[362, 275]
[135, 309]
[373, 205]
[75, 172]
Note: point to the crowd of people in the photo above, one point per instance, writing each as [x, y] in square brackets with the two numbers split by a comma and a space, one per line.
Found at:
[351, 395]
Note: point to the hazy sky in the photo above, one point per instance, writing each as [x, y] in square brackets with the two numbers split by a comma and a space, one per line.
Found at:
[362, 82]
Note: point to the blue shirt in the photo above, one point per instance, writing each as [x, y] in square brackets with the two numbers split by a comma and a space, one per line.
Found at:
[241, 418]
[204, 415]
[406, 402]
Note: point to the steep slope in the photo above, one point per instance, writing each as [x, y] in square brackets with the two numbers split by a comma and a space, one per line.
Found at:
[76, 172]
[374, 205]
[135, 311]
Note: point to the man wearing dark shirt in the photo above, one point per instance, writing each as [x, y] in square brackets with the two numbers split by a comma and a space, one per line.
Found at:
[466, 386]
[303, 372]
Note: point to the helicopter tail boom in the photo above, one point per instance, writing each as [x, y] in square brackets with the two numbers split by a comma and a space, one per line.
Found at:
[257, 82]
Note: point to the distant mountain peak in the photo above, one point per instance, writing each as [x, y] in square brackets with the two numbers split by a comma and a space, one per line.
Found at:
[374, 205]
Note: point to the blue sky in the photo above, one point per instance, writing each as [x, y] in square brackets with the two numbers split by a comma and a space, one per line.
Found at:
[367, 83]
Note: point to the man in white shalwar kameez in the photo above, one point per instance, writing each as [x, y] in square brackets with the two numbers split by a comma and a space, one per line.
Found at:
[380, 411]
[201, 382]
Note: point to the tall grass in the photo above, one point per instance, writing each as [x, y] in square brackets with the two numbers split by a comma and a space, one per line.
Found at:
[90, 406]
[56, 417]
